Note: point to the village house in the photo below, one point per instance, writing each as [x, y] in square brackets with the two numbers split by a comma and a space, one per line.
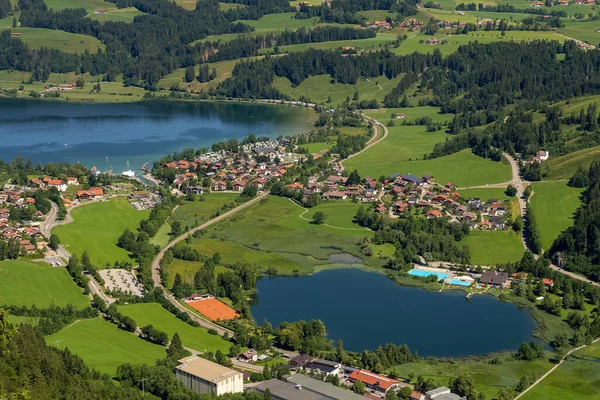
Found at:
[300, 361]
[334, 195]
[72, 181]
[250, 356]
[239, 186]
[434, 214]
[57, 183]
[91, 193]
[494, 278]
[219, 186]
[373, 381]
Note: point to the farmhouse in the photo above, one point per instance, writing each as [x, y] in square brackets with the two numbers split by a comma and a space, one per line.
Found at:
[334, 195]
[204, 376]
[249, 356]
[91, 193]
[72, 181]
[15, 34]
[300, 361]
[57, 183]
[219, 186]
[434, 214]
[433, 41]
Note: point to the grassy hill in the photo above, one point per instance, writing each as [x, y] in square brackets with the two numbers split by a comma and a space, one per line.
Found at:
[25, 283]
[96, 228]
[112, 12]
[565, 166]
[104, 347]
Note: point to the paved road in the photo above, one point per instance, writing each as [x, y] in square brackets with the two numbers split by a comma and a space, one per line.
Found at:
[96, 289]
[248, 367]
[47, 225]
[156, 265]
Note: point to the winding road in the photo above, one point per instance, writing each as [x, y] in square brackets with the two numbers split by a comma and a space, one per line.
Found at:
[156, 265]
[377, 126]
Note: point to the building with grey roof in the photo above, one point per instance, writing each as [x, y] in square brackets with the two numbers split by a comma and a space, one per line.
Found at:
[442, 393]
[302, 387]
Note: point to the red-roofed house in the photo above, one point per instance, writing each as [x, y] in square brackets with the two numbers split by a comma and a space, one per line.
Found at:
[239, 186]
[219, 186]
[373, 381]
[91, 193]
[434, 214]
[72, 181]
[57, 183]
[548, 282]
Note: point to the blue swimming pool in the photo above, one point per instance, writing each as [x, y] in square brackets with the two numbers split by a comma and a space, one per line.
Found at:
[458, 282]
[424, 274]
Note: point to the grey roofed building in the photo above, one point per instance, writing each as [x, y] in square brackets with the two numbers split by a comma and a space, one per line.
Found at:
[494, 278]
[325, 366]
[302, 387]
[442, 393]
[412, 179]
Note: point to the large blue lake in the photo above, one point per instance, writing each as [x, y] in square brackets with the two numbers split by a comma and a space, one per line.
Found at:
[366, 310]
[109, 135]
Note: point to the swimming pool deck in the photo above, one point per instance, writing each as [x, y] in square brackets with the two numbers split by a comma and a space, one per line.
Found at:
[449, 277]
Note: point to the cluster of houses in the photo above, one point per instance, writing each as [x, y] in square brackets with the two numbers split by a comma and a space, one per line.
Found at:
[26, 233]
[61, 88]
[537, 4]
[48, 182]
[256, 164]
[410, 192]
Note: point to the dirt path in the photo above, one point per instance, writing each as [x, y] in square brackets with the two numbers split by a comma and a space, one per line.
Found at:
[553, 369]
[156, 265]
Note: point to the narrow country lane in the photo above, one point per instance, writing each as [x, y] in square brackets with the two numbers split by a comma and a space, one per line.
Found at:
[377, 126]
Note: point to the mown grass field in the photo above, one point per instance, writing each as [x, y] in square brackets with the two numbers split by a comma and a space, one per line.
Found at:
[24, 283]
[554, 204]
[36, 38]
[565, 166]
[578, 378]
[493, 247]
[489, 378]
[413, 42]
[96, 228]
[272, 233]
[318, 147]
[279, 22]
[319, 88]
[463, 168]
[584, 31]
[194, 338]
[104, 347]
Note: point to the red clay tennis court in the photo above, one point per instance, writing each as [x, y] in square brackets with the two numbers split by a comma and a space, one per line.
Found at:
[213, 309]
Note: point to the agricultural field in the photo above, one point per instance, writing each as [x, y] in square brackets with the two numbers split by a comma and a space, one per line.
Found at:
[578, 378]
[191, 337]
[565, 166]
[489, 378]
[112, 12]
[411, 142]
[425, 14]
[319, 88]
[279, 22]
[413, 42]
[224, 69]
[554, 204]
[584, 31]
[193, 213]
[493, 247]
[56, 39]
[272, 233]
[91, 230]
[25, 283]
[103, 346]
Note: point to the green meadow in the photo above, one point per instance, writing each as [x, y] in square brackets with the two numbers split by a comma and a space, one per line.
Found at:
[493, 247]
[103, 346]
[194, 338]
[279, 22]
[93, 231]
[582, 30]
[554, 204]
[489, 378]
[112, 12]
[565, 166]
[25, 283]
[320, 88]
[272, 233]
[578, 378]
[193, 213]
[60, 40]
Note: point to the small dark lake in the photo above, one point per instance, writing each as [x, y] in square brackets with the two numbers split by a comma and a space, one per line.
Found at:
[367, 309]
[109, 135]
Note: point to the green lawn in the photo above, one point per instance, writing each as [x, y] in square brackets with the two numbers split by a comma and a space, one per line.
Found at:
[104, 347]
[578, 378]
[463, 168]
[314, 148]
[194, 213]
[565, 166]
[489, 378]
[194, 338]
[162, 237]
[24, 283]
[96, 228]
[486, 194]
[319, 88]
[554, 204]
[493, 247]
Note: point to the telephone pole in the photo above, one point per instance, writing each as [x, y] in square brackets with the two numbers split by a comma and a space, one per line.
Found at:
[143, 387]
